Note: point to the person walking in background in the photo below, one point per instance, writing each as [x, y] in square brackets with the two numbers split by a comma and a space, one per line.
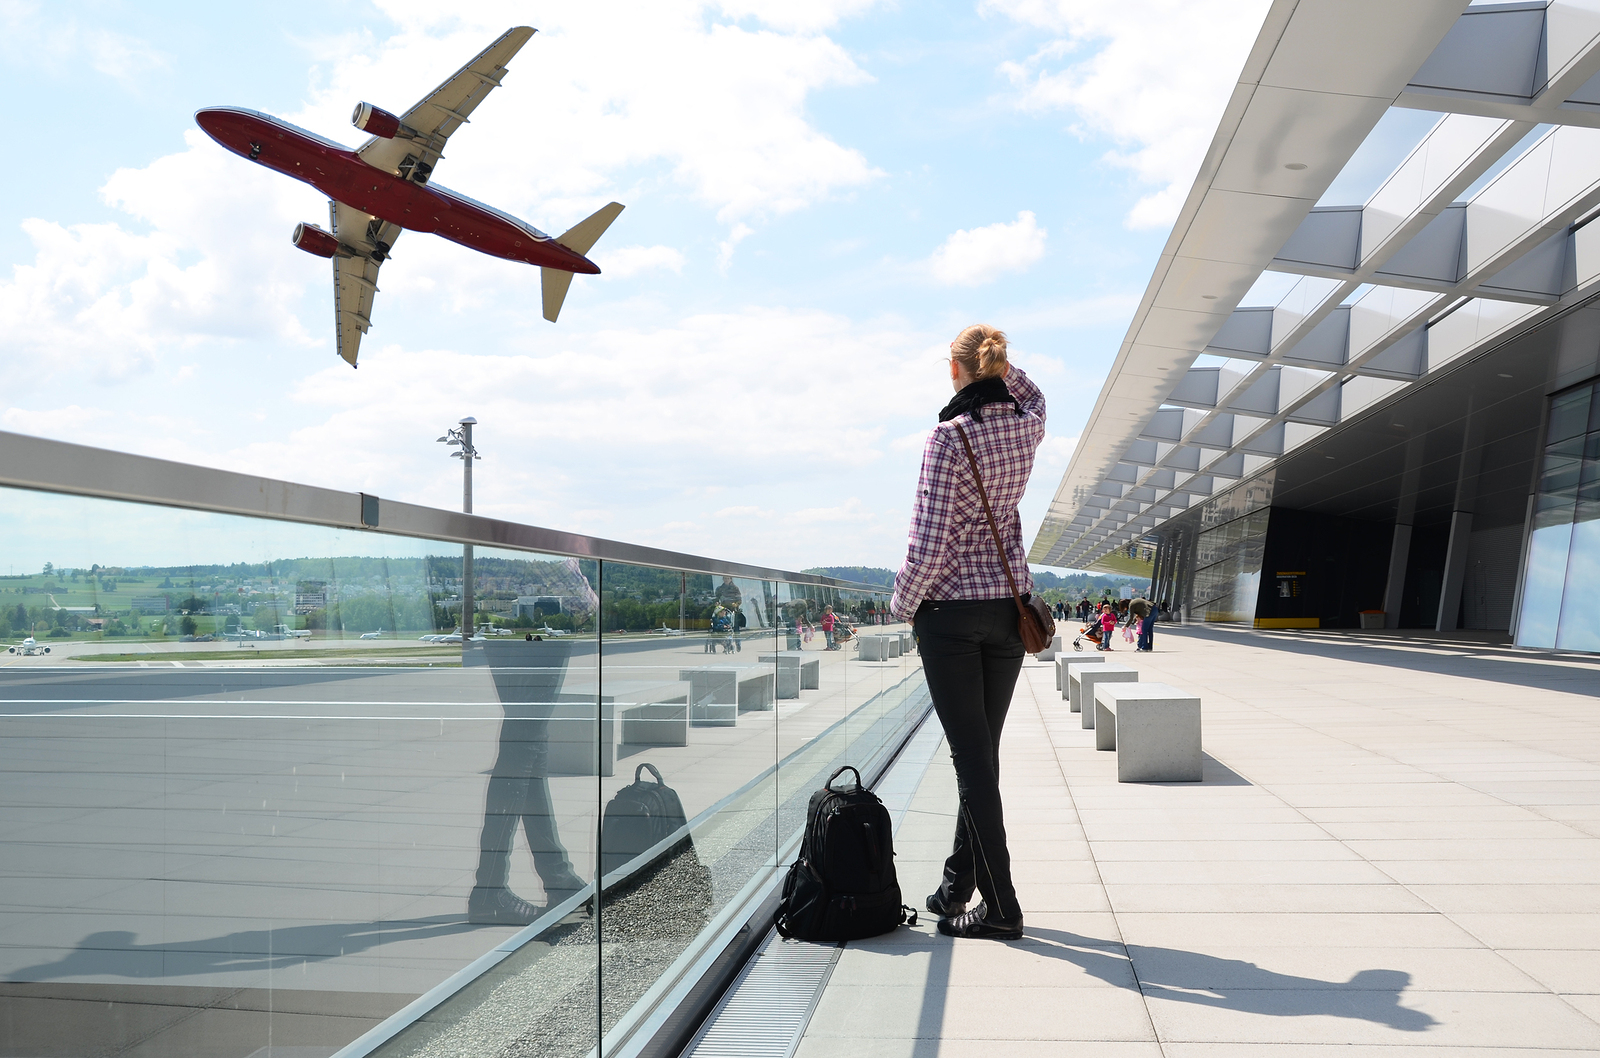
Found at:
[1145, 614]
[955, 589]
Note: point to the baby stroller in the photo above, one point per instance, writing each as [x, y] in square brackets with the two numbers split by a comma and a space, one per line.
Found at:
[1090, 632]
[842, 633]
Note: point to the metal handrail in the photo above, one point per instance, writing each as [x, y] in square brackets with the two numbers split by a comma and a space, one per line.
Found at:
[44, 465]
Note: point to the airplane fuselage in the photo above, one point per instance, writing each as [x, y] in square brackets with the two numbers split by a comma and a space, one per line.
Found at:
[338, 172]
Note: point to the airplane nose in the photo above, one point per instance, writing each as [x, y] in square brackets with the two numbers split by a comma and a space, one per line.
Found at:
[220, 125]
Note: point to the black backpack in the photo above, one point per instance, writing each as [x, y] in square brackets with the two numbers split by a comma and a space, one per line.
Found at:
[639, 816]
[843, 886]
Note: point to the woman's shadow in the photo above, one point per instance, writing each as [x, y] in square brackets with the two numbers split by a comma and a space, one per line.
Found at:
[1232, 984]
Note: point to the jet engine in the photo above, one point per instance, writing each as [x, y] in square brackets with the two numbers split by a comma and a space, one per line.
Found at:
[375, 120]
[313, 239]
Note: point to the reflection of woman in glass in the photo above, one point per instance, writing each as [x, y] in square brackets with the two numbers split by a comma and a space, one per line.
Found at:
[956, 594]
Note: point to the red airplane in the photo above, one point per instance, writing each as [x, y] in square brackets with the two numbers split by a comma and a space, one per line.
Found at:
[384, 187]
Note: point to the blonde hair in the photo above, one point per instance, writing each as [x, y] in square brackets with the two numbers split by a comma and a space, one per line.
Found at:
[981, 349]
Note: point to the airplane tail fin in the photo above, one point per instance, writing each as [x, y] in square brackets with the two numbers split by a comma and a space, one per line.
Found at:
[579, 238]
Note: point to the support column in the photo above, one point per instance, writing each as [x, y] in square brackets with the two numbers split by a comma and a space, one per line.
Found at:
[1455, 556]
[1455, 571]
[1394, 591]
[1405, 510]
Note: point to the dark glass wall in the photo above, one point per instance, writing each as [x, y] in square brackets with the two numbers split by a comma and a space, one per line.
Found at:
[1321, 571]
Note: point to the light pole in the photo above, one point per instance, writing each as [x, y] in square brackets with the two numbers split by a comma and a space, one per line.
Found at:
[463, 439]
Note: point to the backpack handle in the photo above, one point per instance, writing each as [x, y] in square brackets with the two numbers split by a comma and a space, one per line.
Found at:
[847, 768]
[638, 773]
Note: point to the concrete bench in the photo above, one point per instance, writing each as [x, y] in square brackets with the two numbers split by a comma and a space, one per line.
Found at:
[1049, 653]
[718, 694]
[796, 672]
[1155, 729]
[1082, 679]
[873, 648]
[805, 666]
[656, 724]
[1063, 667]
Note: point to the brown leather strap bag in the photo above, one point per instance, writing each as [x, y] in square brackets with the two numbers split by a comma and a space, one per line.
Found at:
[1038, 628]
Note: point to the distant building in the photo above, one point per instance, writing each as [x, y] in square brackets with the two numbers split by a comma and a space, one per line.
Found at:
[307, 601]
[152, 603]
[526, 604]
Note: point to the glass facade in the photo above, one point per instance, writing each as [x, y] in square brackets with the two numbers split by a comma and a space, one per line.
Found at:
[257, 800]
[1210, 559]
[1564, 548]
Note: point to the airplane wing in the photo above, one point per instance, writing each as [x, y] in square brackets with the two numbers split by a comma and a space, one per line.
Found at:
[444, 110]
[355, 272]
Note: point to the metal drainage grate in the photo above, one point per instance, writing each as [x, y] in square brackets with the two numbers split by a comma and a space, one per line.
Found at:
[765, 1012]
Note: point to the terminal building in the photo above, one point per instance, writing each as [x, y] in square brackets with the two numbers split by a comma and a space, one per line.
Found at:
[1380, 410]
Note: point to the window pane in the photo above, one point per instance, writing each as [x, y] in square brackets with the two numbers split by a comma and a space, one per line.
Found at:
[1580, 611]
[1569, 414]
[1542, 588]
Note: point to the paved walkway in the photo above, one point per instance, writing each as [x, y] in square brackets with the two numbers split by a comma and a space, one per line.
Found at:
[1397, 845]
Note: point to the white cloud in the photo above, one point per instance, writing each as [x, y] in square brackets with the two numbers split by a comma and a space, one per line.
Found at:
[606, 87]
[810, 17]
[980, 255]
[29, 37]
[101, 301]
[725, 248]
[1153, 75]
[631, 260]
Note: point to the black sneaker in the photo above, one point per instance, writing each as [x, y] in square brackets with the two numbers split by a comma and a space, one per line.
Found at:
[972, 924]
[499, 907]
[943, 906]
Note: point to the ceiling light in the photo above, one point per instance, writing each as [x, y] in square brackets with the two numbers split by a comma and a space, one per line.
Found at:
[1209, 297]
[1504, 375]
[1294, 166]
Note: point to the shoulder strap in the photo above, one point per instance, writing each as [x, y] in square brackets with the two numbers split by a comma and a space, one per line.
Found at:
[993, 526]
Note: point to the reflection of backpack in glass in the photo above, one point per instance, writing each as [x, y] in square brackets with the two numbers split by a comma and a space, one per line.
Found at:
[668, 893]
[720, 623]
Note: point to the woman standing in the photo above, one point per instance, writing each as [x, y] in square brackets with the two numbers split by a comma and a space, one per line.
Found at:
[954, 590]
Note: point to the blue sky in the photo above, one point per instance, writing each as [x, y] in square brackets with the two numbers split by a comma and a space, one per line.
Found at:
[819, 196]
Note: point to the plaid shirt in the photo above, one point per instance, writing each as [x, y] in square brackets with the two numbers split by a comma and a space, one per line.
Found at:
[951, 553]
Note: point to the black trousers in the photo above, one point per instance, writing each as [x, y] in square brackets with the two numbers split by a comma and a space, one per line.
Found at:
[971, 655]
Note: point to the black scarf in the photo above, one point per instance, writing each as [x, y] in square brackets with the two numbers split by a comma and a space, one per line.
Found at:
[970, 399]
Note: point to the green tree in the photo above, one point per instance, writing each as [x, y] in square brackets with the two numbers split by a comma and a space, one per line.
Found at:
[187, 626]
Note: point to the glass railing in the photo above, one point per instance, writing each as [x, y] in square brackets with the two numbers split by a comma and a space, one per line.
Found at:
[261, 798]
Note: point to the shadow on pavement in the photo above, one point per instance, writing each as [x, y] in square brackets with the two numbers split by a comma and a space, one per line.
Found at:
[1231, 984]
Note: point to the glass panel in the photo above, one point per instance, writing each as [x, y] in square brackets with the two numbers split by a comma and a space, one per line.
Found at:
[260, 795]
[247, 796]
[1569, 414]
[1580, 616]
[1545, 577]
[688, 809]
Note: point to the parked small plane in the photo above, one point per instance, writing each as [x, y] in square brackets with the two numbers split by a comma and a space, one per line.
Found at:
[548, 631]
[385, 187]
[28, 648]
[372, 635]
